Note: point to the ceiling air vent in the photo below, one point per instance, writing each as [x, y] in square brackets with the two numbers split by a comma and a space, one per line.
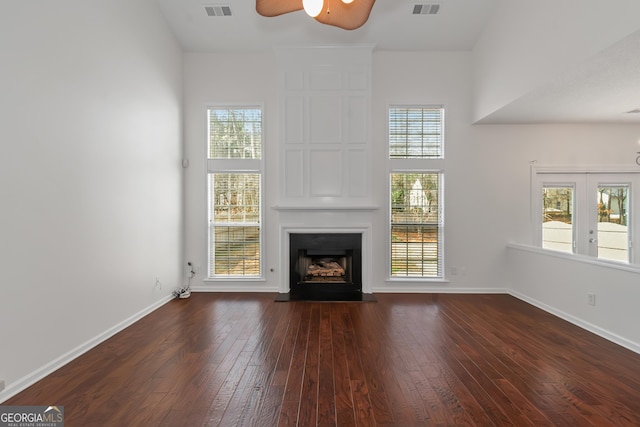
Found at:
[218, 10]
[426, 9]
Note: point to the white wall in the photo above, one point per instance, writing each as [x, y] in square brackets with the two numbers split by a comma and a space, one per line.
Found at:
[90, 175]
[526, 44]
[229, 79]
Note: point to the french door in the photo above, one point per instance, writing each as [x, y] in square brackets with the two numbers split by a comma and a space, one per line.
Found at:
[588, 213]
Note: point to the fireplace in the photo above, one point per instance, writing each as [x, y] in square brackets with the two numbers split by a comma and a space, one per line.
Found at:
[325, 266]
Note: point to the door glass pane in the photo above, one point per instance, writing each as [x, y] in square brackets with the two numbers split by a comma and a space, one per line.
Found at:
[613, 227]
[557, 218]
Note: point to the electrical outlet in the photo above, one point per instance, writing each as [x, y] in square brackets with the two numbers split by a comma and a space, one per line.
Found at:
[1, 385]
[189, 270]
[591, 298]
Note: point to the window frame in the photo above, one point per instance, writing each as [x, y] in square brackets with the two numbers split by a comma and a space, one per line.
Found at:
[440, 107]
[234, 166]
[413, 165]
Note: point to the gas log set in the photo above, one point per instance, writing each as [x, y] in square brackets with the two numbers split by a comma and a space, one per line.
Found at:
[325, 269]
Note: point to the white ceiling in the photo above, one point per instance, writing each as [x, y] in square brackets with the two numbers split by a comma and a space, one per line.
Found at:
[391, 26]
[600, 90]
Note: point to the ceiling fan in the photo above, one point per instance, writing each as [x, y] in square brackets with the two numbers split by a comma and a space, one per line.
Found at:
[346, 14]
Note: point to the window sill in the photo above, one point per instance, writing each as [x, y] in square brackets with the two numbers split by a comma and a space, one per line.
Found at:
[325, 208]
[235, 279]
[417, 280]
[234, 285]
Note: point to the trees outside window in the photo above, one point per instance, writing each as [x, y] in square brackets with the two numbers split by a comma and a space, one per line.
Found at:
[235, 192]
[416, 139]
[557, 218]
[415, 224]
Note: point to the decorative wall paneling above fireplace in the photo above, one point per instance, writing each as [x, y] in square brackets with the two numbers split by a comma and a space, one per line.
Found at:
[326, 110]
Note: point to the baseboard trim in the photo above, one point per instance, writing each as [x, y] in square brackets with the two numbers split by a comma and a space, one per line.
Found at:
[30, 379]
[399, 289]
[234, 288]
[610, 336]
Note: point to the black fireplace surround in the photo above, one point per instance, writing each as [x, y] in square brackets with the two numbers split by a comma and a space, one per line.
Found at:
[325, 266]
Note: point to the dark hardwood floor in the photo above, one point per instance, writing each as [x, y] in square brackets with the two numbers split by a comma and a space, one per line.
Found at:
[406, 360]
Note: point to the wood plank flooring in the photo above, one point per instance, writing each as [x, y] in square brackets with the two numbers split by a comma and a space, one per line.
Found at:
[406, 360]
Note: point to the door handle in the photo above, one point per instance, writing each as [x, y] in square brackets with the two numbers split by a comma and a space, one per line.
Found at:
[593, 240]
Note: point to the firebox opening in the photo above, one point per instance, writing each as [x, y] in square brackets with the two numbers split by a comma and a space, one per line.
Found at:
[327, 267]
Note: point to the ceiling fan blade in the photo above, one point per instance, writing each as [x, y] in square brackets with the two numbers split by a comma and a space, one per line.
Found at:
[277, 7]
[345, 16]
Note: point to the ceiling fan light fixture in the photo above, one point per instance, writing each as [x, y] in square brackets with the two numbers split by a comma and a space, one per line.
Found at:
[313, 7]
[345, 14]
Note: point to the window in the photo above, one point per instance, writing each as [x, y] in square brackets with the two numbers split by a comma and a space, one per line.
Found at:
[415, 225]
[587, 213]
[415, 193]
[416, 132]
[235, 133]
[235, 192]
